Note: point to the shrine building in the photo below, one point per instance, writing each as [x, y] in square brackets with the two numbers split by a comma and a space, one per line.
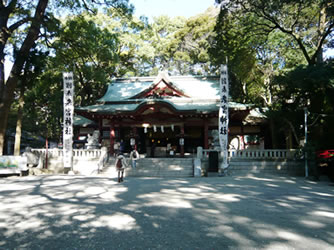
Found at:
[168, 113]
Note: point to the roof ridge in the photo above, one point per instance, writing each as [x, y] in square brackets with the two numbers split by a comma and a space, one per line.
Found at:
[162, 76]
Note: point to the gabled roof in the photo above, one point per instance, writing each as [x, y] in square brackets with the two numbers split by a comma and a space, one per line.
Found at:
[195, 94]
[183, 86]
[163, 87]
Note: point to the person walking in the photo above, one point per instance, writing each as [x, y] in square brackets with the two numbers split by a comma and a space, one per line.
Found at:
[120, 166]
[134, 156]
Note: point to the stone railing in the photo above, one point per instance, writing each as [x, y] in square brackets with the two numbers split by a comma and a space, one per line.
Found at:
[82, 153]
[267, 161]
[265, 154]
[85, 161]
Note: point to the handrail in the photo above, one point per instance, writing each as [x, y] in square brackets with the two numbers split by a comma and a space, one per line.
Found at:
[235, 154]
[256, 153]
[82, 153]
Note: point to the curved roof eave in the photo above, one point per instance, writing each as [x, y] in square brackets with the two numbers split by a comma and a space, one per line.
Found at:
[176, 105]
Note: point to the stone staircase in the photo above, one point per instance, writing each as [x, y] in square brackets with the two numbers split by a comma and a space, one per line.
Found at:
[283, 167]
[155, 167]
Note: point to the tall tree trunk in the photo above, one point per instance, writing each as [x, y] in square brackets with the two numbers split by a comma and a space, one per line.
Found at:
[7, 94]
[18, 133]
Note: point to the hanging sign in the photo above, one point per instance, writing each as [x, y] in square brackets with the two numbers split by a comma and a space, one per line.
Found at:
[223, 115]
[68, 119]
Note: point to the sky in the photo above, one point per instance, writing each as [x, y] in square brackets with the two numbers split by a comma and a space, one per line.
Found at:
[172, 8]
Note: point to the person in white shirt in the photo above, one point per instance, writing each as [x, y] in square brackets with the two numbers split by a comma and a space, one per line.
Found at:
[134, 156]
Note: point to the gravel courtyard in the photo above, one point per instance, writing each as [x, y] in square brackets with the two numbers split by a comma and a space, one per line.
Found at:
[80, 212]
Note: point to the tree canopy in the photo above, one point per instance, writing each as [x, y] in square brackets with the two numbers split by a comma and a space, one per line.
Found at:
[275, 53]
[32, 20]
[273, 50]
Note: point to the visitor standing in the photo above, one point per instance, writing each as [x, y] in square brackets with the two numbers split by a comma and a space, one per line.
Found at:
[134, 156]
[120, 166]
[116, 148]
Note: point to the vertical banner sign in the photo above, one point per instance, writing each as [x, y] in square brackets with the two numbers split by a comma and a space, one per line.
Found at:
[68, 119]
[223, 115]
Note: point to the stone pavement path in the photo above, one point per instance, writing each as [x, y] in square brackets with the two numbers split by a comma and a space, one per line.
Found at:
[80, 212]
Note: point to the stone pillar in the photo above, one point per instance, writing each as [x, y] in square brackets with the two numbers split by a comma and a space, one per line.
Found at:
[199, 152]
[112, 138]
[182, 137]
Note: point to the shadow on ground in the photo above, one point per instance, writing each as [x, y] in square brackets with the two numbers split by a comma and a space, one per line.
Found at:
[76, 212]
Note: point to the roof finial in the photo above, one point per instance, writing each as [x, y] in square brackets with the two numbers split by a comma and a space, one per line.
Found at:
[163, 74]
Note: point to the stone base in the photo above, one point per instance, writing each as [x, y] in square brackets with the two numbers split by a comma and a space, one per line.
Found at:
[213, 174]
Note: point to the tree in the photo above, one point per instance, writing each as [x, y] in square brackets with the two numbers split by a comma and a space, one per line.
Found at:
[234, 43]
[311, 87]
[188, 48]
[159, 35]
[309, 23]
[31, 71]
[89, 50]
[272, 38]
[7, 89]
[30, 16]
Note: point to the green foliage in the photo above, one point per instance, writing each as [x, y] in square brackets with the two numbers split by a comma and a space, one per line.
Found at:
[308, 23]
[268, 45]
[26, 25]
[311, 87]
[89, 50]
[189, 46]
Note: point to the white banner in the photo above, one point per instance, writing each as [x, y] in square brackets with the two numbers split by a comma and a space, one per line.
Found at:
[223, 115]
[68, 119]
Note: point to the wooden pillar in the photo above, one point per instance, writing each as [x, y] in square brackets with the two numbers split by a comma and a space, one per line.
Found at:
[112, 138]
[206, 134]
[182, 136]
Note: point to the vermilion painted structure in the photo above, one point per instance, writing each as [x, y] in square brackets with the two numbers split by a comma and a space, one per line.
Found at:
[167, 112]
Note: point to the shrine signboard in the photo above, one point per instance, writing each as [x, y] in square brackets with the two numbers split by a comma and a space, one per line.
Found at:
[68, 120]
[223, 115]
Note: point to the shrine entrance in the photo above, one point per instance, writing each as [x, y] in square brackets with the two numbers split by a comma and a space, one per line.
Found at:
[155, 141]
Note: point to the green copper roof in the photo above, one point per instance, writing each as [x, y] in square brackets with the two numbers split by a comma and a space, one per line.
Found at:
[192, 86]
[81, 121]
[199, 94]
[124, 89]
